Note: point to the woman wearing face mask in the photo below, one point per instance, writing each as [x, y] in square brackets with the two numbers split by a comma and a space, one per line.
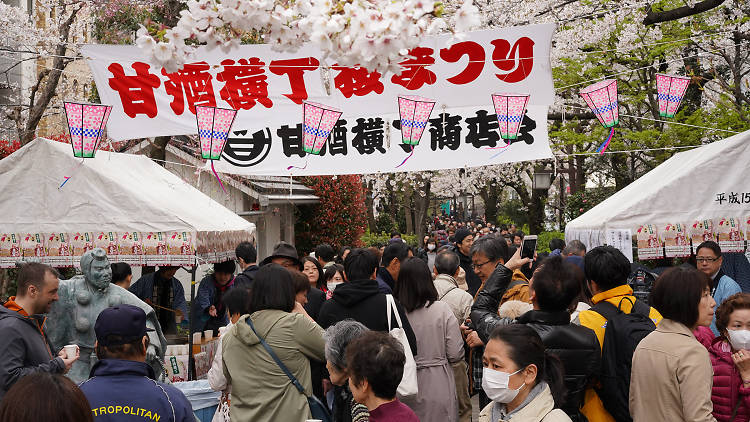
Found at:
[431, 252]
[730, 359]
[333, 276]
[524, 382]
[671, 376]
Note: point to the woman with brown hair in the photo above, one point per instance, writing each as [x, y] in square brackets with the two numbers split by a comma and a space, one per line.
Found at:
[46, 397]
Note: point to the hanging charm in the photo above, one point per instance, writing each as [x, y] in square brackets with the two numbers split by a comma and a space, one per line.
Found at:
[601, 97]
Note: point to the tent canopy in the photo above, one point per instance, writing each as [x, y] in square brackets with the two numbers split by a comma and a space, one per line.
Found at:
[111, 193]
[709, 182]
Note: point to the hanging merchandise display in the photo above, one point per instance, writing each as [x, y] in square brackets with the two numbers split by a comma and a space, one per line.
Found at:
[670, 92]
[214, 124]
[414, 112]
[601, 97]
[318, 122]
[510, 109]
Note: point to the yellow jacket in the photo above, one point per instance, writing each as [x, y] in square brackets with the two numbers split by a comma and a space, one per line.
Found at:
[593, 408]
[518, 291]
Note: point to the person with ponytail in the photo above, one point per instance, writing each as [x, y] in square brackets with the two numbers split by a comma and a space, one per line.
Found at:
[523, 380]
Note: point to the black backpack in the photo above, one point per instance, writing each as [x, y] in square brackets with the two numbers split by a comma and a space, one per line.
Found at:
[622, 334]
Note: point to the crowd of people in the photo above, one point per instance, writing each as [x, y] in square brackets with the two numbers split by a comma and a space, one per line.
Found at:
[402, 334]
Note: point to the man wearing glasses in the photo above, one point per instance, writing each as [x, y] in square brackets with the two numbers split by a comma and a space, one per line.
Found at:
[708, 258]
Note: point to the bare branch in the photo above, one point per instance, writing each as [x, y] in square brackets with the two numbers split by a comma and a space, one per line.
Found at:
[681, 12]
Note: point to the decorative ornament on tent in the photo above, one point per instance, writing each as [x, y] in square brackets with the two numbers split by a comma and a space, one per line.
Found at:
[86, 123]
[414, 112]
[214, 124]
[601, 97]
[671, 90]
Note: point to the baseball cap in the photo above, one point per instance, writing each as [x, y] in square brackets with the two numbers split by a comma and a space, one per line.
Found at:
[127, 322]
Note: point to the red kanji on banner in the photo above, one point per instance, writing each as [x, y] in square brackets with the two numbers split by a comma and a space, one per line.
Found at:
[295, 70]
[192, 82]
[245, 83]
[415, 73]
[518, 61]
[473, 69]
[357, 81]
[136, 92]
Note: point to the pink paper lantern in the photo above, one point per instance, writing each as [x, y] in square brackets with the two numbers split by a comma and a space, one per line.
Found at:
[602, 99]
[415, 112]
[86, 123]
[318, 122]
[510, 109]
[213, 129]
[671, 90]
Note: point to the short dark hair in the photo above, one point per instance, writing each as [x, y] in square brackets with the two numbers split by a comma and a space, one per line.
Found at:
[237, 301]
[683, 307]
[556, 244]
[379, 359]
[555, 284]
[273, 288]
[494, 249]
[130, 350]
[710, 244]
[315, 262]
[395, 233]
[414, 288]
[332, 270]
[518, 233]
[574, 247]
[226, 267]
[33, 273]
[447, 262]
[247, 252]
[360, 264]
[301, 282]
[398, 250]
[606, 266]
[325, 252]
[120, 271]
[527, 348]
[42, 396]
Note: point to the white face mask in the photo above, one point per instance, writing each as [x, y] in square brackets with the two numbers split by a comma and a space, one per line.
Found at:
[495, 385]
[431, 247]
[331, 285]
[739, 339]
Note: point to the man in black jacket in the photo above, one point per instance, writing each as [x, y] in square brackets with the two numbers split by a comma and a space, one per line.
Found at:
[246, 258]
[553, 288]
[464, 240]
[24, 347]
[360, 299]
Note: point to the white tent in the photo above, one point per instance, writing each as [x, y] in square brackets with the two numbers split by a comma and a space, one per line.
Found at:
[125, 203]
[709, 182]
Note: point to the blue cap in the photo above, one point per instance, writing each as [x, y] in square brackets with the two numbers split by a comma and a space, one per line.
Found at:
[126, 322]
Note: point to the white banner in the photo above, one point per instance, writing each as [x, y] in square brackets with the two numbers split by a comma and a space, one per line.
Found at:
[268, 89]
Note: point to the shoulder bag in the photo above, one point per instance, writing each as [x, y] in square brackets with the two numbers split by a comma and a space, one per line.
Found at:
[317, 409]
[408, 385]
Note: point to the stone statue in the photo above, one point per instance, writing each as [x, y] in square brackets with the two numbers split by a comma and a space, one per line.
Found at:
[81, 299]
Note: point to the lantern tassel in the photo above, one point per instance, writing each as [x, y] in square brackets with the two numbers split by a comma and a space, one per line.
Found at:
[217, 176]
[603, 147]
[407, 157]
[72, 172]
[297, 167]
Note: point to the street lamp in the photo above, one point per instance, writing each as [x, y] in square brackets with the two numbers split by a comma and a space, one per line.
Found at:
[542, 179]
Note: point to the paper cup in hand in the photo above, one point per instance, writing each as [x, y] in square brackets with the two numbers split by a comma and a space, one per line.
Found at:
[70, 351]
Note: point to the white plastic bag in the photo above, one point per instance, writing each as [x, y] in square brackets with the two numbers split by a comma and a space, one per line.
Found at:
[408, 386]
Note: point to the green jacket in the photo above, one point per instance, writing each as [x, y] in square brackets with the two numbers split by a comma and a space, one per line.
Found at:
[260, 389]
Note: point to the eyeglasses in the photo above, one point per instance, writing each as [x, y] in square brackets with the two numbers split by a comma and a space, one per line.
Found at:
[706, 259]
[475, 266]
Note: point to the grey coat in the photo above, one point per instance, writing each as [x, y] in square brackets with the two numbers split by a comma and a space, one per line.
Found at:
[24, 349]
[440, 344]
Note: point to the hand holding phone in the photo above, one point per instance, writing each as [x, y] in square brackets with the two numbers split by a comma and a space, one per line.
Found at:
[529, 246]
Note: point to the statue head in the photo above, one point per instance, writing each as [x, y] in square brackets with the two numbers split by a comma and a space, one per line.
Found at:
[96, 269]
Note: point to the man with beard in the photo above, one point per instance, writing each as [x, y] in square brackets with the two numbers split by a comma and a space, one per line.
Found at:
[24, 346]
[82, 298]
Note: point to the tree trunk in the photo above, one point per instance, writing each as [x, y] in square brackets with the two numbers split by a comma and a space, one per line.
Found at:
[158, 150]
[38, 103]
[369, 204]
[421, 205]
[408, 208]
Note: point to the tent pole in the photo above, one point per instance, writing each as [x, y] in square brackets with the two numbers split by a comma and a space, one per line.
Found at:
[191, 360]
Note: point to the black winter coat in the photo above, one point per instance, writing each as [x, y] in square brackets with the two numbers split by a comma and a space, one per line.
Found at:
[245, 278]
[484, 316]
[361, 301]
[576, 346]
[472, 279]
